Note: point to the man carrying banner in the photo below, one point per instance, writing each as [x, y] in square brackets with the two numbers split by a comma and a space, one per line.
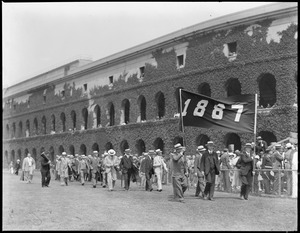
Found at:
[209, 166]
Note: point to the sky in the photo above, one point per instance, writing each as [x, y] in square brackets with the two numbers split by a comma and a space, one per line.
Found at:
[37, 37]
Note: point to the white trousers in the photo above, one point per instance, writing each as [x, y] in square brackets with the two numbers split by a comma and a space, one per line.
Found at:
[158, 173]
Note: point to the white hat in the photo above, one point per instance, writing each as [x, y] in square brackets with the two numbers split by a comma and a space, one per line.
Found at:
[127, 150]
[158, 150]
[210, 142]
[201, 148]
[64, 153]
[111, 152]
[288, 145]
[95, 152]
[178, 146]
[278, 146]
[248, 144]
[152, 152]
[256, 156]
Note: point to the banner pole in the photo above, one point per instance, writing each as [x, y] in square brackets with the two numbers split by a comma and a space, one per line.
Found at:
[181, 118]
[254, 131]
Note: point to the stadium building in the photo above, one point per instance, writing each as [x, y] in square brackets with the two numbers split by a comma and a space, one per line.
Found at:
[129, 99]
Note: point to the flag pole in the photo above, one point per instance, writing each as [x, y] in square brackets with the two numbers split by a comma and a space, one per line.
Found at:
[181, 118]
[255, 124]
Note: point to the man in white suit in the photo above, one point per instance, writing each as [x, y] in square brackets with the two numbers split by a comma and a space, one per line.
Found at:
[28, 167]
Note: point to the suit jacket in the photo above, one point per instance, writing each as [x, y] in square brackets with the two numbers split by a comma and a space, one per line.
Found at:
[246, 164]
[148, 165]
[94, 163]
[197, 164]
[126, 164]
[277, 159]
[224, 161]
[25, 165]
[205, 163]
[45, 166]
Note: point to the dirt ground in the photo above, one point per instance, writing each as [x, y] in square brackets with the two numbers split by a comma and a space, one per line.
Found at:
[76, 207]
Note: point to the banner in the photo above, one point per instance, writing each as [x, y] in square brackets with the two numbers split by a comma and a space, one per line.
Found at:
[232, 114]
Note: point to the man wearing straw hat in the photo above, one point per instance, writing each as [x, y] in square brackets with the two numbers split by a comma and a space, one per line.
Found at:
[200, 177]
[95, 167]
[209, 166]
[179, 172]
[126, 166]
[277, 164]
[111, 167]
[159, 165]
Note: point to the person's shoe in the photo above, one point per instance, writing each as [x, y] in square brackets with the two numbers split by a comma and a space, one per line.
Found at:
[246, 199]
[160, 190]
[82, 184]
[150, 190]
[182, 201]
[205, 197]
[43, 186]
[47, 186]
[211, 199]
[242, 198]
[94, 186]
[196, 195]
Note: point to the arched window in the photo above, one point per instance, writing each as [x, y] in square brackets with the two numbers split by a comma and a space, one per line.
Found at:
[73, 116]
[33, 154]
[125, 109]
[14, 130]
[233, 87]
[123, 146]
[44, 125]
[63, 121]
[72, 150]
[12, 156]
[53, 122]
[95, 147]
[35, 125]
[20, 154]
[51, 151]
[178, 139]
[204, 89]
[83, 149]
[142, 108]
[159, 144]
[108, 146]
[268, 137]
[202, 139]
[27, 132]
[233, 140]
[111, 110]
[85, 117]
[61, 149]
[267, 90]
[7, 130]
[20, 129]
[97, 116]
[140, 146]
[6, 157]
[160, 103]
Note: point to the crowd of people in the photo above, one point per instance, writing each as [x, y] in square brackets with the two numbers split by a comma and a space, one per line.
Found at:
[255, 169]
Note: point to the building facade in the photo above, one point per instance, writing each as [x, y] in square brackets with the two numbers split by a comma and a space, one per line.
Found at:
[129, 99]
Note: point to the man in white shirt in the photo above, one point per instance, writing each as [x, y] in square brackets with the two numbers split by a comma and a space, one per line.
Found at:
[28, 167]
[159, 165]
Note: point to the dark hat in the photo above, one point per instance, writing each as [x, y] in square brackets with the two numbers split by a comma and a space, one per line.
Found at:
[225, 150]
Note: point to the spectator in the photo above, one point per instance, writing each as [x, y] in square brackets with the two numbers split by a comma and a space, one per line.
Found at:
[45, 169]
[159, 165]
[277, 164]
[82, 168]
[142, 171]
[267, 164]
[17, 167]
[57, 167]
[288, 164]
[295, 174]
[64, 165]
[11, 167]
[149, 171]
[126, 165]
[219, 178]
[111, 167]
[95, 167]
[225, 166]
[200, 176]
[261, 145]
[236, 182]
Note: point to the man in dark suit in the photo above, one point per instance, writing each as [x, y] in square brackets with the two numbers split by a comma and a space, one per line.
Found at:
[246, 170]
[261, 145]
[200, 177]
[45, 169]
[209, 166]
[126, 166]
[149, 169]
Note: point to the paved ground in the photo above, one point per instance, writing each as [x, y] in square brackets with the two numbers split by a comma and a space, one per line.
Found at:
[76, 207]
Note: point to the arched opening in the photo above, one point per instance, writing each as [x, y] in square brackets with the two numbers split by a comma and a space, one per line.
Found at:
[108, 146]
[20, 154]
[83, 149]
[125, 111]
[61, 149]
[27, 132]
[73, 117]
[123, 146]
[44, 125]
[140, 146]
[97, 116]
[14, 130]
[268, 137]
[202, 139]
[35, 125]
[233, 87]
[233, 139]
[178, 139]
[20, 129]
[160, 103]
[12, 156]
[111, 110]
[53, 122]
[267, 90]
[72, 150]
[142, 108]
[51, 151]
[159, 144]
[6, 158]
[95, 147]
[85, 117]
[33, 154]
[63, 121]
[7, 131]
[204, 89]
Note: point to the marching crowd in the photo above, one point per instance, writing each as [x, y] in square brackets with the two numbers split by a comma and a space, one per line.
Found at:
[253, 169]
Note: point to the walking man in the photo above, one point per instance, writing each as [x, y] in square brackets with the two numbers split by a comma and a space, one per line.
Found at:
[179, 172]
[225, 164]
[209, 166]
[28, 167]
[45, 169]
[149, 169]
[159, 165]
[246, 172]
[126, 165]
[95, 167]
[200, 176]
[111, 167]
